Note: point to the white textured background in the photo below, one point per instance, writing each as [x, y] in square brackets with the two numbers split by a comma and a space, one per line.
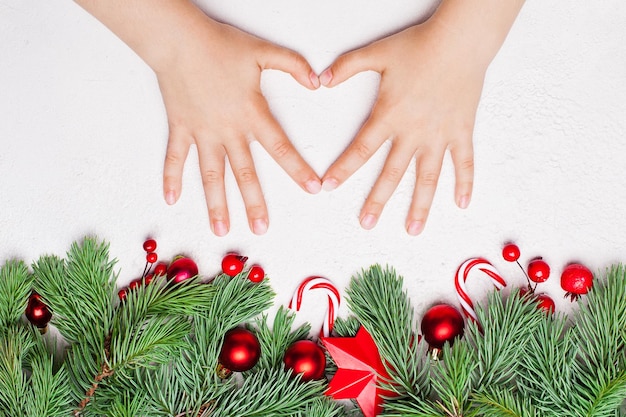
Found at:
[83, 134]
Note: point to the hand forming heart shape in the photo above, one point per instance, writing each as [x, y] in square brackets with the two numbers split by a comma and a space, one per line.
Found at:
[209, 75]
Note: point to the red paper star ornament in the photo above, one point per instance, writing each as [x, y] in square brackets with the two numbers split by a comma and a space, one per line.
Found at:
[360, 367]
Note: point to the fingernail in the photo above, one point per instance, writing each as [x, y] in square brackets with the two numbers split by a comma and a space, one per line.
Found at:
[219, 228]
[170, 197]
[464, 201]
[415, 228]
[259, 226]
[329, 184]
[368, 221]
[314, 79]
[313, 186]
[326, 77]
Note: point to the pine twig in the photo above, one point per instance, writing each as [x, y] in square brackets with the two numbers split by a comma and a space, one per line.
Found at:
[105, 372]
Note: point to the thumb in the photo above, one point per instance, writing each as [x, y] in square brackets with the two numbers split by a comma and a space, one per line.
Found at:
[286, 60]
[349, 64]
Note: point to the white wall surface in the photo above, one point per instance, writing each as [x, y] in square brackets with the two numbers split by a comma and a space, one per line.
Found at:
[83, 134]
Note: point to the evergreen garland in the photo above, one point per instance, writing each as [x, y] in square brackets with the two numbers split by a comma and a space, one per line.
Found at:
[156, 353]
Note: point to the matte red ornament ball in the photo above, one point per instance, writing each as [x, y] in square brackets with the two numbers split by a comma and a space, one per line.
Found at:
[240, 351]
[232, 264]
[149, 245]
[510, 252]
[256, 274]
[307, 358]
[538, 270]
[182, 269]
[442, 323]
[37, 312]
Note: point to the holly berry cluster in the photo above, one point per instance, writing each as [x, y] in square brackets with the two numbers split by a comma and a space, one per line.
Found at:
[576, 279]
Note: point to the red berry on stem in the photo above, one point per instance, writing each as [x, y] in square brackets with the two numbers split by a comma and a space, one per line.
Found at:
[148, 279]
[134, 284]
[233, 264]
[150, 245]
[577, 280]
[122, 293]
[256, 274]
[538, 270]
[152, 257]
[544, 302]
[510, 252]
[160, 269]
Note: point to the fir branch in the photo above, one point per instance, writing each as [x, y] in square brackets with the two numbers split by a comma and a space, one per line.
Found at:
[79, 291]
[379, 302]
[269, 393]
[502, 403]
[412, 405]
[500, 341]
[130, 405]
[15, 288]
[322, 407]
[347, 327]
[15, 344]
[275, 341]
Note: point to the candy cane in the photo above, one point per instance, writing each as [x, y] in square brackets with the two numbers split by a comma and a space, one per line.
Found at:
[484, 266]
[314, 283]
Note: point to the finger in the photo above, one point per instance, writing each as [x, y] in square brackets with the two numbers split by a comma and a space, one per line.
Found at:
[175, 156]
[462, 153]
[395, 166]
[272, 137]
[243, 167]
[428, 169]
[365, 144]
[286, 60]
[349, 64]
[212, 173]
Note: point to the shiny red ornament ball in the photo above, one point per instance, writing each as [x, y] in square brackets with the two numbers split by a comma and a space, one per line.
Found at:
[510, 252]
[37, 312]
[149, 245]
[306, 358]
[240, 351]
[232, 264]
[256, 274]
[538, 270]
[577, 280]
[442, 323]
[182, 269]
[152, 257]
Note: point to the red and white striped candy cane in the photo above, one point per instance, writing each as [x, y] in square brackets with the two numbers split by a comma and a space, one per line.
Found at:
[319, 283]
[462, 273]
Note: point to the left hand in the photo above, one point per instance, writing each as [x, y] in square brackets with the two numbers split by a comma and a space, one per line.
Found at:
[429, 91]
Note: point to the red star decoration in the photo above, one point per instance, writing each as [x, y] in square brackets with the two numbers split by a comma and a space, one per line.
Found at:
[360, 367]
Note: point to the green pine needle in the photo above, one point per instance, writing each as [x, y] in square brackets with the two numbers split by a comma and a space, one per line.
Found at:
[502, 403]
[15, 288]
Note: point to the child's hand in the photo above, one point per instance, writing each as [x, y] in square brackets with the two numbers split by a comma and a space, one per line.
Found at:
[209, 74]
[431, 81]
[213, 99]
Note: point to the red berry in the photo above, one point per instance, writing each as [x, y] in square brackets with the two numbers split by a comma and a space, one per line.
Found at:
[160, 269]
[122, 293]
[233, 264]
[538, 270]
[544, 302]
[576, 279]
[150, 245]
[148, 279]
[134, 284]
[510, 252]
[152, 257]
[256, 274]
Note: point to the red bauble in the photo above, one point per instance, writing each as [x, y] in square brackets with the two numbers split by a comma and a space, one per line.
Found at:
[182, 269]
[442, 323]
[306, 358]
[150, 245]
[232, 264]
[37, 312]
[256, 274]
[577, 280]
[538, 270]
[510, 252]
[240, 351]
